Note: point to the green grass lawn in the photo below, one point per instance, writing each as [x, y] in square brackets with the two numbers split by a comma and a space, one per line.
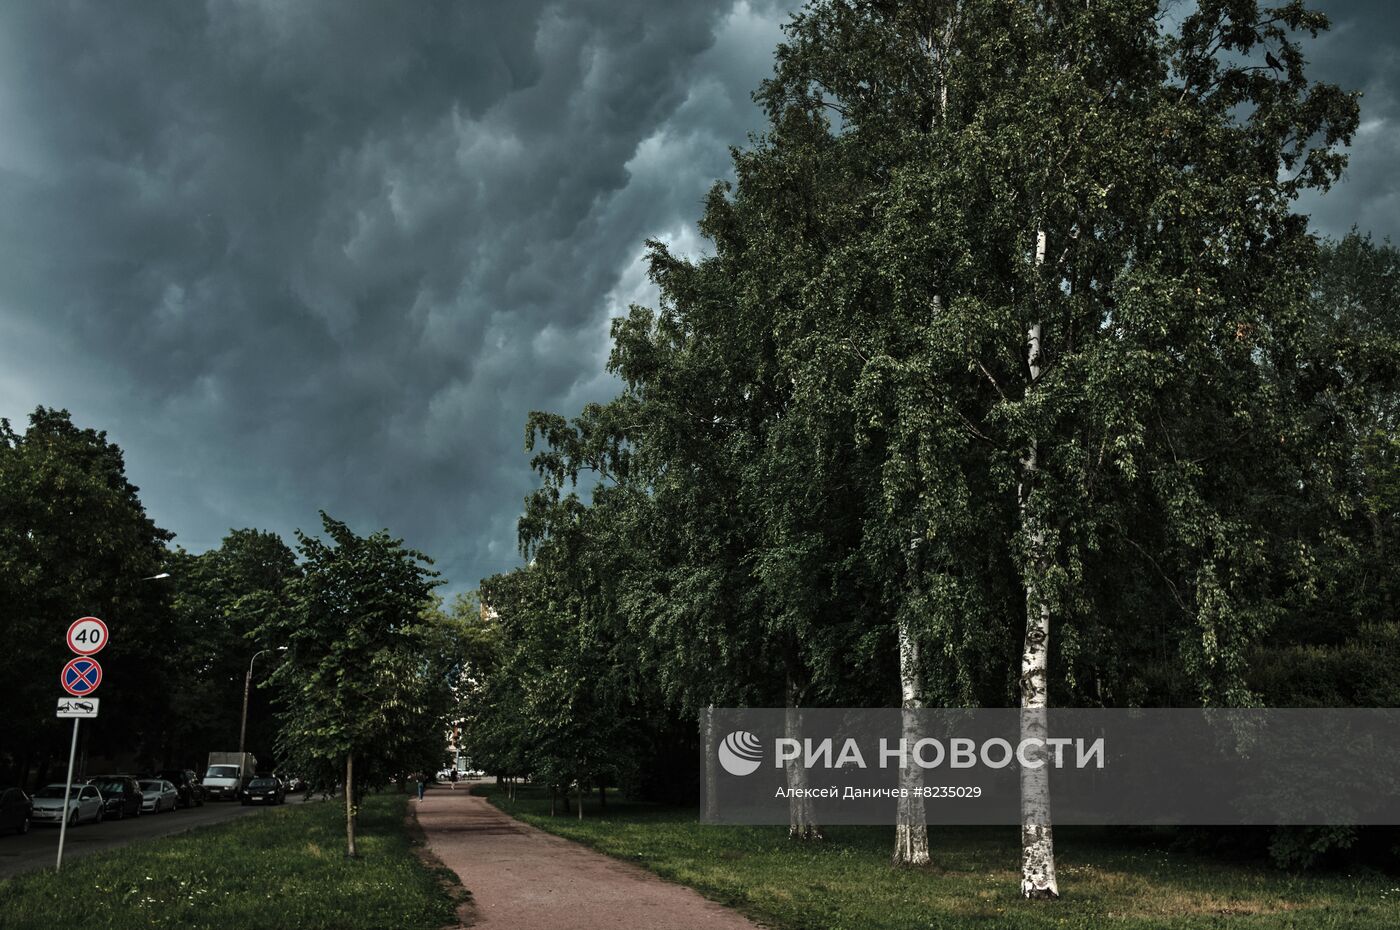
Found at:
[281, 868]
[846, 882]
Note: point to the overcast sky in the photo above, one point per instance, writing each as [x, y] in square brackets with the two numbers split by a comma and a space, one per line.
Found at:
[328, 254]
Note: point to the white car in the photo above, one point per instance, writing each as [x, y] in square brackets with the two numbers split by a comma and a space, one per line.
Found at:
[158, 795]
[84, 805]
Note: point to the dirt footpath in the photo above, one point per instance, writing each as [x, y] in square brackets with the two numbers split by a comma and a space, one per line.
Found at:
[525, 879]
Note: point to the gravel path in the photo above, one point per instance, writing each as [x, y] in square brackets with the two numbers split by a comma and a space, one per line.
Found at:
[525, 879]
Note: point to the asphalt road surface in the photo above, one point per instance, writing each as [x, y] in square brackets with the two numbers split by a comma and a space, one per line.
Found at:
[39, 848]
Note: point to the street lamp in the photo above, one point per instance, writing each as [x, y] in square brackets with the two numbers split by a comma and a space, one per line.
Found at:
[159, 577]
[248, 684]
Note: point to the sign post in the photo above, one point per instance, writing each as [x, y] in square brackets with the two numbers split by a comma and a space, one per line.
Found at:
[67, 787]
[87, 636]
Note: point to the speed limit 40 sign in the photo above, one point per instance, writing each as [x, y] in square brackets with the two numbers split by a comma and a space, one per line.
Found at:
[87, 636]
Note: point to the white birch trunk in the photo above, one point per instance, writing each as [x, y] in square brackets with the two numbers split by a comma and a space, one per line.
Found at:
[911, 827]
[802, 821]
[711, 800]
[1037, 840]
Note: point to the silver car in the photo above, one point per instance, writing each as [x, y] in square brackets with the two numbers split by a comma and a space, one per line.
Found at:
[84, 805]
[158, 795]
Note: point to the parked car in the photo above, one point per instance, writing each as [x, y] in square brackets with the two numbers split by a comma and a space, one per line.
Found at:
[121, 795]
[158, 795]
[14, 810]
[264, 789]
[187, 784]
[84, 805]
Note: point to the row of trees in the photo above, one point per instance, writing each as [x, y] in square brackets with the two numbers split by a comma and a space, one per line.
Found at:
[75, 540]
[365, 658]
[1014, 377]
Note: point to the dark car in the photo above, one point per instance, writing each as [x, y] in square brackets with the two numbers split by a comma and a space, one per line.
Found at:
[121, 795]
[15, 808]
[263, 789]
[185, 782]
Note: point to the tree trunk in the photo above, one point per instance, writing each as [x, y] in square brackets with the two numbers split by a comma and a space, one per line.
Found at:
[1037, 840]
[710, 797]
[911, 827]
[802, 820]
[580, 799]
[553, 799]
[602, 796]
[350, 811]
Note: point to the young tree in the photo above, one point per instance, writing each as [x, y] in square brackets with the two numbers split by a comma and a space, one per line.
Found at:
[352, 682]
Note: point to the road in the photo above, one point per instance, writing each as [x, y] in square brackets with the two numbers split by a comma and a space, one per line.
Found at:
[39, 848]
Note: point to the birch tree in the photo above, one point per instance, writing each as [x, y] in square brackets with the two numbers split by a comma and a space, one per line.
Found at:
[1010, 279]
[1066, 285]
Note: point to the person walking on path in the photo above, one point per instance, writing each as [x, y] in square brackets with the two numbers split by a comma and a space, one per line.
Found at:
[422, 784]
[454, 778]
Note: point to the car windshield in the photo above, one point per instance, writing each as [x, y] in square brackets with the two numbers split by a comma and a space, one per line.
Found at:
[150, 786]
[110, 787]
[263, 783]
[55, 791]
[222, 771]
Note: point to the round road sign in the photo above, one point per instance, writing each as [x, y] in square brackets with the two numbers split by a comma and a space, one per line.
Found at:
[87, 636]
[81, 676]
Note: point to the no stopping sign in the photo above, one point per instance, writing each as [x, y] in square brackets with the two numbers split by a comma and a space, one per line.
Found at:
[81, 676]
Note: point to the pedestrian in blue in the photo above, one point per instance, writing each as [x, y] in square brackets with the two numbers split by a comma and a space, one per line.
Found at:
[422, 779]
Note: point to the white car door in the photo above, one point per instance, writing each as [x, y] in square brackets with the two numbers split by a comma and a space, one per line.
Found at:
[89, 803]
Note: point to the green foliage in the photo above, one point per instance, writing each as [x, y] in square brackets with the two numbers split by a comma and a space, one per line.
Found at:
[1361, 671]
[221, 597]
[360, 675]
[280, 869]
[1171, 287]
[563, 698]
[824, 425]
[75, 540]
[830, 426]
[1302, 847]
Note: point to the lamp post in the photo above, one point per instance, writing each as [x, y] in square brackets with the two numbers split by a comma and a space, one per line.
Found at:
[247, 686]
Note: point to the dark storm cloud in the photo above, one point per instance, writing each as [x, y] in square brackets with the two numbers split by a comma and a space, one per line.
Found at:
[1361, 52]
[304, 255]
